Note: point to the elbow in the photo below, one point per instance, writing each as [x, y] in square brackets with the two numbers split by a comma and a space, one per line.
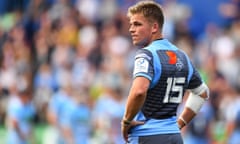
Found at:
[206, 94]
[202, 91]
[140, 87]
[139, 93]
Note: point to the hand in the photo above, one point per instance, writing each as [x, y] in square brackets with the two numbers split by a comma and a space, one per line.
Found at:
[125, 128]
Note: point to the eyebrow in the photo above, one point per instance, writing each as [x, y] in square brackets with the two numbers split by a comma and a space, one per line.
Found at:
[135, 23]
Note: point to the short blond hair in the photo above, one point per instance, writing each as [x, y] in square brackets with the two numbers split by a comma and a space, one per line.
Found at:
[151, 10]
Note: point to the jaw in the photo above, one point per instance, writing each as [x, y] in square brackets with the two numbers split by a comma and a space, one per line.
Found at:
[141, 43]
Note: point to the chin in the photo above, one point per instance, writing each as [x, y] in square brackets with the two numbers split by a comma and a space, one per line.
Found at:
[134, 43]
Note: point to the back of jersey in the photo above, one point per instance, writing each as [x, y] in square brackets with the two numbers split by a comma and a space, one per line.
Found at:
[169, 83]
[170, 73]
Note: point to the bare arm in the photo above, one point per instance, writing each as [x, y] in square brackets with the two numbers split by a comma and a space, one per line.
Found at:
[136, 98]
[67, 133]
[15, 125]
[188, 113]
[135, 101]
[51, 118]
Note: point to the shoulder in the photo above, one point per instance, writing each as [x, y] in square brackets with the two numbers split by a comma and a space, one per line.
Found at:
[144, 53]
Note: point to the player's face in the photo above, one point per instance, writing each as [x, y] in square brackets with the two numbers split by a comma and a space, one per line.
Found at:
[140, 30]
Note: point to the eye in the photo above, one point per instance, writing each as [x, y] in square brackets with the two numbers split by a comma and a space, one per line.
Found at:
[137, 24]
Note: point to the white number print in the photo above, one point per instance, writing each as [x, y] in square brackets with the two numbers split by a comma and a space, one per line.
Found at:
[174, 85]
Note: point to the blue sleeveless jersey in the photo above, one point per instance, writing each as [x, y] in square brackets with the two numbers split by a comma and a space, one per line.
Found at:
[170, 73]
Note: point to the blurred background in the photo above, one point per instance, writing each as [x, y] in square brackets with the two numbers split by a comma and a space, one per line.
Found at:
[66, 68]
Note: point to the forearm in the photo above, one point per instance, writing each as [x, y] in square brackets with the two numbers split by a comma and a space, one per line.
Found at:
[192, 107]
[19, 132]
[136, 98]
[68, 135]
[185, 117]
[134, 104]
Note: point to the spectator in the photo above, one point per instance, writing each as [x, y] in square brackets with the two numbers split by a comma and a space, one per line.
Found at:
[20, 114]
[77, 119]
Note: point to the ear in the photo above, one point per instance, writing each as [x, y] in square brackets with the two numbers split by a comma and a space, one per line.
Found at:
[155, 27]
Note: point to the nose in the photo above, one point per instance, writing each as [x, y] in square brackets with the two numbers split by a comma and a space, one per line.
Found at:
[131, 29]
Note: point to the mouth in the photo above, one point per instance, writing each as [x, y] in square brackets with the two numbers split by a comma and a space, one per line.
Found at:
[134, 36]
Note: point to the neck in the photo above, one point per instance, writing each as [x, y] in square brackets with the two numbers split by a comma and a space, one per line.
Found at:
[153, 38]
[157, 37]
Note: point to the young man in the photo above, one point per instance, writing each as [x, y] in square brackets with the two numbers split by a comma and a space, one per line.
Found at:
[20, 114]
[162, 74]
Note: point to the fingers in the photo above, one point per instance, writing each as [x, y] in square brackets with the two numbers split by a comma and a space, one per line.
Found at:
[135, 123]
[125, 133]
[126, 128]
[126, 137]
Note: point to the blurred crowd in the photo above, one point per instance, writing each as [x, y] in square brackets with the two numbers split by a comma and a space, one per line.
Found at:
[68, 64]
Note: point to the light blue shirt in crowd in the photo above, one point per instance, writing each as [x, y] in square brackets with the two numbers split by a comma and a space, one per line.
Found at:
[77, 117]
[23, 114]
